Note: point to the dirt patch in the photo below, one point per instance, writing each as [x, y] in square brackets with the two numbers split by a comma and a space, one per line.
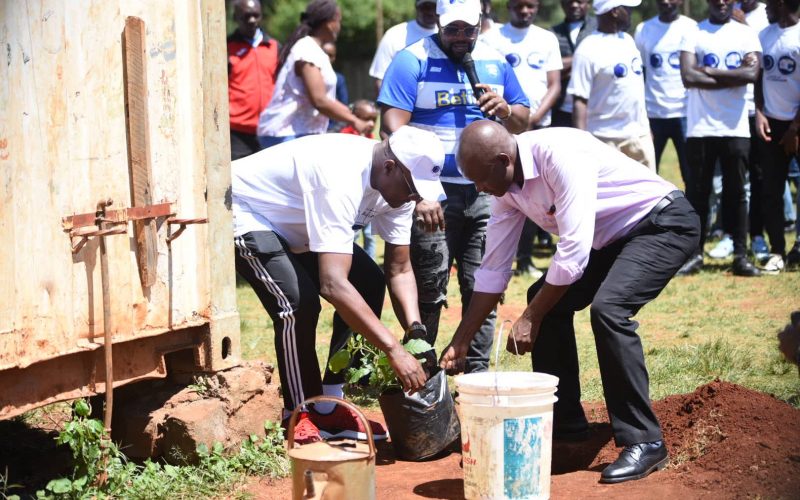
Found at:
[725, 441]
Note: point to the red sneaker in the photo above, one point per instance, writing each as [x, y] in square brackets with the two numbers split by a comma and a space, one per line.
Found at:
[344, 423]
[305, 431]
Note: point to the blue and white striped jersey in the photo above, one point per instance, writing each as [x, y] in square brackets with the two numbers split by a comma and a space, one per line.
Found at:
[424, 81]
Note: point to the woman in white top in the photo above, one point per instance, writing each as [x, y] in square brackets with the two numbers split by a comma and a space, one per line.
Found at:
[305, 90]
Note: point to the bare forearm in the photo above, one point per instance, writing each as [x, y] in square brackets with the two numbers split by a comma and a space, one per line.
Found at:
[544, 300]
[403, 293]
[517, 122]
[733, 77]
[480, 305]
[335, 110]
[694, 78]
[357, 314]
[548, 101]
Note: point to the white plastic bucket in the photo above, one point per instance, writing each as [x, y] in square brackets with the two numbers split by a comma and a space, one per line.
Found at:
[506, 433]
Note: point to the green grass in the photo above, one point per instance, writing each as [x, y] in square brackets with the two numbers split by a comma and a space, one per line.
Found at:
[703, 327]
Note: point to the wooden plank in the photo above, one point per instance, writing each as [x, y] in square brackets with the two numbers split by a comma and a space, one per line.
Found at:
[141, 174]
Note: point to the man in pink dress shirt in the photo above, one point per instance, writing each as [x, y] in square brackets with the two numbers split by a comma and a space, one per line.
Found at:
[623, 233]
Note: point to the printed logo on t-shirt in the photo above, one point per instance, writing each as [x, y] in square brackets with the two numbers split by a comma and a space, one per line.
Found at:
[769, 63]
[636, 65]
[733, 60]
[710, 60]
[620, 70]
[492, 69]
[513, 59]
[675, 60]
[656, 60]
[535, 60]
[786, 65]
[463, 97]
[363, 219]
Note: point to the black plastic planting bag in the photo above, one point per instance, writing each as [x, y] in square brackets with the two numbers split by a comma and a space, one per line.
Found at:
[421, 424]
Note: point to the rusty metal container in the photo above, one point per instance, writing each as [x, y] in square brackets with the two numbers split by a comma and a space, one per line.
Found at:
[336, 470]
[77, 272]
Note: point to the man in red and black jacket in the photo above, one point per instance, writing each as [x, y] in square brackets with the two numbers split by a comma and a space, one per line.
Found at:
[252, 65]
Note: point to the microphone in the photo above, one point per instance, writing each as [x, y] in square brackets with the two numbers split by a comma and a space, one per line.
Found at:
[472, 76]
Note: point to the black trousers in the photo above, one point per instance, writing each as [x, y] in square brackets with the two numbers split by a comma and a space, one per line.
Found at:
[755, 209]
[288, 286]
[618, 281]
[775, 171]
[243, 144]
[732, 153]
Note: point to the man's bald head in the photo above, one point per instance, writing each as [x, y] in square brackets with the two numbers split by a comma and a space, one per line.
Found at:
[486, 154]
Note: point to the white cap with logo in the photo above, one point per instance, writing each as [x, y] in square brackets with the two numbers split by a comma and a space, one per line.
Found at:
[603, 6]
[422, 153]
[449, 11]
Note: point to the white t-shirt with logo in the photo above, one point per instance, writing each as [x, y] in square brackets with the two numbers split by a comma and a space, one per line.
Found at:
[719, 112]
[607, 72]
[781, 77]
[394, 40]
[659, 43]
[314, 192]
[532, 52]
[290, 111]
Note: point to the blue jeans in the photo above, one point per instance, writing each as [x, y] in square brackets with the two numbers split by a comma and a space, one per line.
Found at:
[675, 129]
[369, 245]
[432, 254]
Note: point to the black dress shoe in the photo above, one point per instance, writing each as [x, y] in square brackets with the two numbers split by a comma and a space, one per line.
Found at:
[635, 462]
[743, 267]
[691, 266]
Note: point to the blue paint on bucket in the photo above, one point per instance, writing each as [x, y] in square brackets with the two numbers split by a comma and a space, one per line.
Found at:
[522, 453]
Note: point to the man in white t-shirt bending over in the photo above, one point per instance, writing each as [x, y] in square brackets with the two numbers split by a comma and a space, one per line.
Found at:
[718, 60]
[608, 86]
[401, 36]
[295, 207]
[658, 39]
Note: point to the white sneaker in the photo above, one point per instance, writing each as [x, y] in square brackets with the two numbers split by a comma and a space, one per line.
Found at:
[773, 265]
[723, 249]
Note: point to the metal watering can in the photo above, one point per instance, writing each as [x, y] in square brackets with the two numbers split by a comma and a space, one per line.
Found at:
[332, 470]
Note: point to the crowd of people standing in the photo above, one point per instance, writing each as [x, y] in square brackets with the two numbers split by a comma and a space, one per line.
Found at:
[462, 103]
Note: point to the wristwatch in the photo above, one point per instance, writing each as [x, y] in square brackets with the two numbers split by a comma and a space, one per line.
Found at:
[416, 331]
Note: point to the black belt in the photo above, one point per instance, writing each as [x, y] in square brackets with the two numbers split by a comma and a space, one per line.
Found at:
[665, 201]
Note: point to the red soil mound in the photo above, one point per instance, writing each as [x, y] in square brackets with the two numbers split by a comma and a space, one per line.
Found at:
[724, 440]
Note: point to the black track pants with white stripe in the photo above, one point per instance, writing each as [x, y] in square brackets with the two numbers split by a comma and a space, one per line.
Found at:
[287, 285]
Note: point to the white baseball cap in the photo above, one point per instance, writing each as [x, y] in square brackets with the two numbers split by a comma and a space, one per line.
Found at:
[468, 11]
[422, 153]
[603, 6]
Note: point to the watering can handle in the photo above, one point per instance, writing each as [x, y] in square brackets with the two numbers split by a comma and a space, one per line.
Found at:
[338, 401]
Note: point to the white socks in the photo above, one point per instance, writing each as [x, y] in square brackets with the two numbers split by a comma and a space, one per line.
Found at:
[325, 407]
